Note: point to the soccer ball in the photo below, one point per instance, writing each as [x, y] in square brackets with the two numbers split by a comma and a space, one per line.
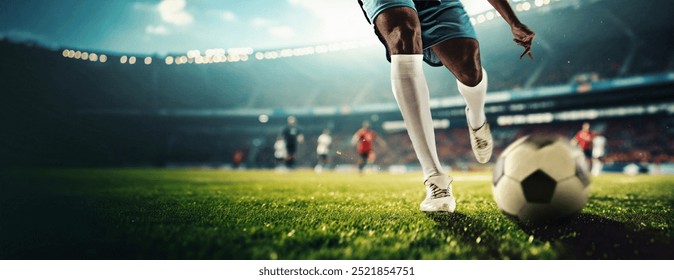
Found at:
[540, 179]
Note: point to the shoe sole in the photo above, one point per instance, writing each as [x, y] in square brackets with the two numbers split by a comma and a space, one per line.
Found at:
[445, 206]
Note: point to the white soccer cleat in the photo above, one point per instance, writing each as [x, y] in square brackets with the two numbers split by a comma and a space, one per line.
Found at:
[439, 196]
[481, 141]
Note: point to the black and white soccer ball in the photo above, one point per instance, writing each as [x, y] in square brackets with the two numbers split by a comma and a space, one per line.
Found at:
[540, 179]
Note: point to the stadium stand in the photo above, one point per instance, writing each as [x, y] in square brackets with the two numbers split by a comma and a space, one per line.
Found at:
[61, 111]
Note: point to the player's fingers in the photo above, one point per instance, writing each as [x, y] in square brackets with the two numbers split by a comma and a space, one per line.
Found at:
[525, 44]
[526, 51]
[519, 42]
[526, 38]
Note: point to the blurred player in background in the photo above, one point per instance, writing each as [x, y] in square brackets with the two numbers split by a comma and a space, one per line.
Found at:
[237, 158]
[280, 150]
[292, 135]
[364, 140]
[583, 139]
[323, 149]
[598, 152]
[440, 33]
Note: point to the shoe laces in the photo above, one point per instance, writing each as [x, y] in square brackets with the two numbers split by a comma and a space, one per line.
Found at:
[437, 192]
[481, 143]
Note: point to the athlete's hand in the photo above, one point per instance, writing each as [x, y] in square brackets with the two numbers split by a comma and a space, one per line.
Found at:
[523, 36]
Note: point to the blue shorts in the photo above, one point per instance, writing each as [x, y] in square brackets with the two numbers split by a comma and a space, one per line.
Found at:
[440, 21]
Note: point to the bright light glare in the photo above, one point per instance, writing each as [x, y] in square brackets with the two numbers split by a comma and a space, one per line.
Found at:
[475, 7]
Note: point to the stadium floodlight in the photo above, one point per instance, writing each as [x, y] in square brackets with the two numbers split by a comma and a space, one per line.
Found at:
[148, 60]
[123, 59]
[103, 58]
[526, 6]
[132, 60]
[193, 53]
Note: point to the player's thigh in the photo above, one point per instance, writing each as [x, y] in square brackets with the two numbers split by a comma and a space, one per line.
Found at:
[462, 57]
[399, 27]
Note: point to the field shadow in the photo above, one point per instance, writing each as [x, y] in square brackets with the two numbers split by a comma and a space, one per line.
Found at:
[39, 223]
[589, 236]
[466, 229]
[584, 236]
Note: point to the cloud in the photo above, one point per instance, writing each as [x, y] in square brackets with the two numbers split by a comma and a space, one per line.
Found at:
[339, 20]
[173, 11]
[228, 16]
[273, 28]
[259, 22]
[281, 31]
[156, 30]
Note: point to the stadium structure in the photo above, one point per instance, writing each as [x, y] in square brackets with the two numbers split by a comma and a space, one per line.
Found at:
[594, 61]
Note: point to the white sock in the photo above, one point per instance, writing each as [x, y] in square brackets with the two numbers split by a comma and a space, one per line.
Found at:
[411, 93]
[474, 97]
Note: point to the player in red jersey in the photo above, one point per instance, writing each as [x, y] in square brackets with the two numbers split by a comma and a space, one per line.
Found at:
[583, 139]
[364, 140]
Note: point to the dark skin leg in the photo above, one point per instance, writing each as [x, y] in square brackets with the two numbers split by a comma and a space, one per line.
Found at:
[462, 57]
[401, 31]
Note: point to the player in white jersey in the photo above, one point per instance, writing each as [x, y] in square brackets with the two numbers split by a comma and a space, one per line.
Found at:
[280, 152]
[598, 152]
[323, 149]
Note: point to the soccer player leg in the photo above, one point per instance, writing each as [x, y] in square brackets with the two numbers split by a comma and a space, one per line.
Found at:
[362, 161]
[401, 30]
[290, 158]
[462, 57]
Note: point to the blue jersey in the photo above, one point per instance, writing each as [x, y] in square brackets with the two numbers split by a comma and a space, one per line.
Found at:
[440, 21]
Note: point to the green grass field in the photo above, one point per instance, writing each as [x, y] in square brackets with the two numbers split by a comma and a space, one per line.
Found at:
[217, 214]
